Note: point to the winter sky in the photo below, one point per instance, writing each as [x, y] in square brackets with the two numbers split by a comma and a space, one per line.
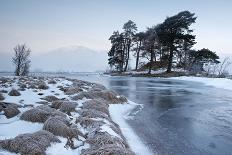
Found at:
[46, 25]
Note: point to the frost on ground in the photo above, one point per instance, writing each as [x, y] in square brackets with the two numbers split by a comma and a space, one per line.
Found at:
[119, 114]
[222, 83]
[41, 115]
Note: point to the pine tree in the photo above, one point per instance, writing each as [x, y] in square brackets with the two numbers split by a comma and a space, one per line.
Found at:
[174, 30]
[130, 29]
[150, 46]
[116, 53]
[138, 39]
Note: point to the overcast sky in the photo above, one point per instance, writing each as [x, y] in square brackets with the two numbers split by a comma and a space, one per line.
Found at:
[49, 24]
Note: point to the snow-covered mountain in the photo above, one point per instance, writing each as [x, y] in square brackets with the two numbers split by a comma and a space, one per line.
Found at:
[71, 58]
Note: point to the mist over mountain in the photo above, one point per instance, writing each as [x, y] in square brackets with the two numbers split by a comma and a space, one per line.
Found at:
[65, 59]
[69, 59]
[6, 62]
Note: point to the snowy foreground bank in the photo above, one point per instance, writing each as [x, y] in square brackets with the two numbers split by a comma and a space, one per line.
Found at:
[62, 116]
[214, 82]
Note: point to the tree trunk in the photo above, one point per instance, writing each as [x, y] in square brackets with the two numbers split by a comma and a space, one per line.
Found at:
[169, 69]
[128, 57]
[137, 56]
[18, 68]
[137, 61]
[121, 63]
[151, 61]
[161, 56]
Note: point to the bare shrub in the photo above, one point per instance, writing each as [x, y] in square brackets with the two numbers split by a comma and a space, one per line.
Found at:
[223, 67]
[108, 149]
[33, 144]
[50, 98]
[10, 109]
[21, 60]
[40, 114]
[60, 127]
[14, 92]
[107, 95]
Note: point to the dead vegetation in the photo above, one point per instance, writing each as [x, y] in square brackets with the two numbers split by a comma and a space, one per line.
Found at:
[43, 86]
[64, 106]
[97, 104]
[14, 92]
[40, 114]
[52, 81]
[10, 109]
[4, 80]
[43, 102]
[3, 91]
[87, 122]
[72, 90]
[109, 96]
[29, 144]
[98, 87]
[104, 143]
[50, 98]
[61, 127]
[2, 97]
[91, 113]
[108, 150]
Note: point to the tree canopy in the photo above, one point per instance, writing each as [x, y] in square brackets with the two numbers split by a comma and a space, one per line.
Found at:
[164, 45]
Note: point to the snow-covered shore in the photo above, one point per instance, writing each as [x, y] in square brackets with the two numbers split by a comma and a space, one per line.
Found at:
[89, 112]
[222, 83]
[119, 114]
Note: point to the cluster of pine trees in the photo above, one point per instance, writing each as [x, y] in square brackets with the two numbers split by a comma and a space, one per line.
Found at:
[164, 45]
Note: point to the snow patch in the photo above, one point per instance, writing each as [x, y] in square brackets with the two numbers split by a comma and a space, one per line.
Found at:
[13, 129]
[222, 83]
[58, 148]
[107, 128]
[119, 113]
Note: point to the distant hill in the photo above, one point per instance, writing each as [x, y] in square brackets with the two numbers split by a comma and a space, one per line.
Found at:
[71, 58]
[74, 58]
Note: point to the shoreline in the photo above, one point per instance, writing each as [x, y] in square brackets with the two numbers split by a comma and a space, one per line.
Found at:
[84, 105]
[158, 75]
